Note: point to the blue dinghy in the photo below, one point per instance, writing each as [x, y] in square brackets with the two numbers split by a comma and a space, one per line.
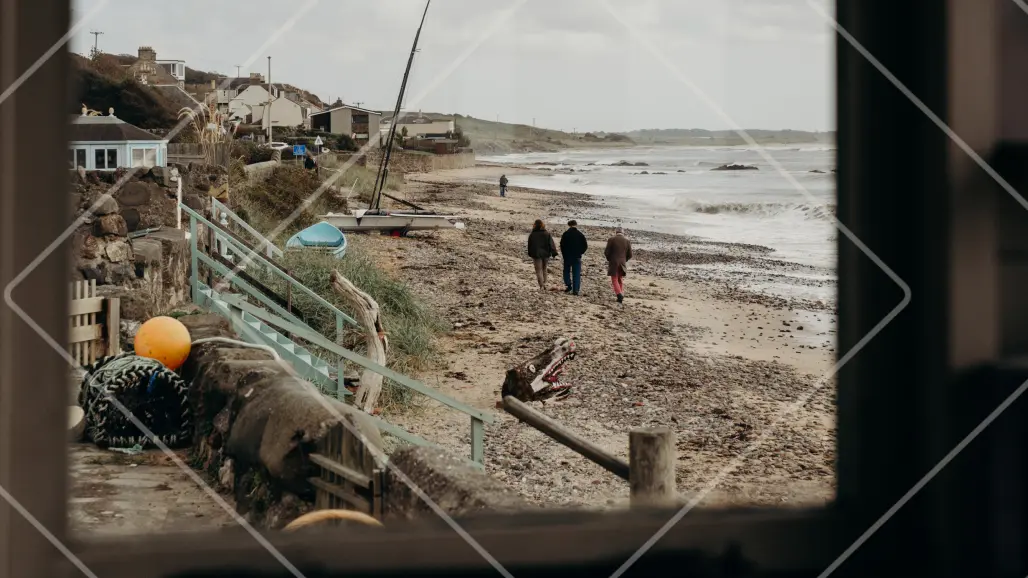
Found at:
[320, 236]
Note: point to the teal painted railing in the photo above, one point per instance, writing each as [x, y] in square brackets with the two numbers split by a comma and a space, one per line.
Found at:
[244, 252]
[262, 245]
[285, 321]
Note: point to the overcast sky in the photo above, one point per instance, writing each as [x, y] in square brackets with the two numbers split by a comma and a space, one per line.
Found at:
[567, 64]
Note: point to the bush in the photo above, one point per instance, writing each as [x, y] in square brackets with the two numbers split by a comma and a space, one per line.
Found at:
[285, 190]
[409, 323]
[250, 152]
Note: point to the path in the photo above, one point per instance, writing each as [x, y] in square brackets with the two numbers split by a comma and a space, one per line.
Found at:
[115, 494]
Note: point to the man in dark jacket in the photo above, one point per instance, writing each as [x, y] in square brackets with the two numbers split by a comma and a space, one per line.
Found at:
[572, 246]
[503, 185]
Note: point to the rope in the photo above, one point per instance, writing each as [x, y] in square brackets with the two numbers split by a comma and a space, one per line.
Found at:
[154, 394]
[319, 516]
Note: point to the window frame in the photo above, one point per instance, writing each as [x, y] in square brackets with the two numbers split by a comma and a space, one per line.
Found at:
[908, 370]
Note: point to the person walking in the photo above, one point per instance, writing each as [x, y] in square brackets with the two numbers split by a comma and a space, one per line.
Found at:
[572, 246]
[503, 185]
[618, 253]
[541, 249]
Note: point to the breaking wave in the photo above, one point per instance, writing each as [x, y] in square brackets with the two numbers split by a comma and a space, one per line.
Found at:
[808, 211]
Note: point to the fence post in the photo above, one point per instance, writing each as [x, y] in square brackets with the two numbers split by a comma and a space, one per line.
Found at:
[341, 363]
[477, 441]
[194, 261]
[113, 325]
[651, 467]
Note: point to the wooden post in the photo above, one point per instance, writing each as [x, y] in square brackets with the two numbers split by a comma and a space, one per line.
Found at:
[113, 325]
[651, 465]
[562, 435]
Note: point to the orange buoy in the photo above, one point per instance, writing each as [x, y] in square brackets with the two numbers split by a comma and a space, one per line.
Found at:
[165, 339]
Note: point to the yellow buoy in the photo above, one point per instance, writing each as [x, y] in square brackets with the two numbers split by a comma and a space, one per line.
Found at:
[165, 339]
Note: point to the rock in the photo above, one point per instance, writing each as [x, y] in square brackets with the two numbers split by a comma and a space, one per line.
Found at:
[134, 194]
[110, 225]
[735, 167]
[105, 205]
[131, 217]
[146, 251]
[193, 202]
[89, 248]
[118, 251]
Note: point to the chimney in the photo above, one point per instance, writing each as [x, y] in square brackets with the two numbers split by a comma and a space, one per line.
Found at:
[147, 53]
[213, 85]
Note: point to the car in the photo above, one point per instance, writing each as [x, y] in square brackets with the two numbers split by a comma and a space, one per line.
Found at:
[279, 146]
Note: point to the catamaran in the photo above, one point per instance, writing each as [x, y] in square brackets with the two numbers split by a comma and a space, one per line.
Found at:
[374, 218]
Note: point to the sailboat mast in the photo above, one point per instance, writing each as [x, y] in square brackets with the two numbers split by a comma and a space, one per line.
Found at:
[383, 168]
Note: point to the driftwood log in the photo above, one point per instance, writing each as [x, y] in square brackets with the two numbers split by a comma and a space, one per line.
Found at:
[367, 313]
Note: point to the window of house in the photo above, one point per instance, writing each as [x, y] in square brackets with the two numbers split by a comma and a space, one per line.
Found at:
[105, 158]
[144, 157]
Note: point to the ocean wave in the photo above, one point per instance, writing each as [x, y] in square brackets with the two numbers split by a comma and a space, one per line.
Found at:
[806, 211]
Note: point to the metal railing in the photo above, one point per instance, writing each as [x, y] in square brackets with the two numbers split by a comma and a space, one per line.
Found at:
[196, 257]
[284, 321]
[263, 245]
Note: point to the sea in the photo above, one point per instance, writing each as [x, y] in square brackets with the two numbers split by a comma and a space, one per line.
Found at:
[675, 191]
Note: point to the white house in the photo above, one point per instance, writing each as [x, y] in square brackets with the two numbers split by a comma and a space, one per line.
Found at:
[420, 127]
[107, 143]
[284, 111]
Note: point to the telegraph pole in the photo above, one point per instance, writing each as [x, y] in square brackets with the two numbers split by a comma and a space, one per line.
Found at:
[96, 39]
[267, 113]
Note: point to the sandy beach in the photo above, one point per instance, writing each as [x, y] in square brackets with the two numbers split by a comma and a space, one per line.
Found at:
[690, 349]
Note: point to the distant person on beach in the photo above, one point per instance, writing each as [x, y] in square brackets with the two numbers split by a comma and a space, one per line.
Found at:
[618, 253]
[541, 249]
[503, 185]
[572, 246]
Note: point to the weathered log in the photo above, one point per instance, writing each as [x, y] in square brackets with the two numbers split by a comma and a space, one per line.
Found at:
[367, 313]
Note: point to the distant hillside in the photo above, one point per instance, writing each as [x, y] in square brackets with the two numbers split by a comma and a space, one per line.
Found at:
[697, 136]
[491, 137]
[103, 84]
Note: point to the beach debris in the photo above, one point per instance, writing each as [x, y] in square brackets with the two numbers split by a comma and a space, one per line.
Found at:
[538, 379]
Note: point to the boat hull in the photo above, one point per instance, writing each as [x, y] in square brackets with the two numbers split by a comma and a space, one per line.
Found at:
[392, 222]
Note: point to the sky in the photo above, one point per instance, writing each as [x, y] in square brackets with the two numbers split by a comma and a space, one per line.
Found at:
[599, 65]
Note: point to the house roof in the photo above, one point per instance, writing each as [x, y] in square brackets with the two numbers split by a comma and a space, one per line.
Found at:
[107, 129]
[349, 107]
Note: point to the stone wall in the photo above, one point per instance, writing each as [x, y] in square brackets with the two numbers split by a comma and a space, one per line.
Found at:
[256, 425]
[419, 162]
[150, 273]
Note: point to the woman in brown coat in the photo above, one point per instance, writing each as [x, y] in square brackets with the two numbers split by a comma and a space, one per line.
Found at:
[541, 249]
[618, 253]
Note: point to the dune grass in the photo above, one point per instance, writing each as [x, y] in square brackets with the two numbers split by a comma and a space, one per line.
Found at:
[410, 325]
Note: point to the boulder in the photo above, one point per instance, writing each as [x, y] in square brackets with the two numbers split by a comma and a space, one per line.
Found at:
[110, 225]
[134, 194]
[131, 217]
[89, 248]
[105, 205]
[118, 251]
[735, 167]
[146, 251]
[456, 486]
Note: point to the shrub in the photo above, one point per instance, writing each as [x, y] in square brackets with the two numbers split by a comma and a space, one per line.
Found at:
[409, 323]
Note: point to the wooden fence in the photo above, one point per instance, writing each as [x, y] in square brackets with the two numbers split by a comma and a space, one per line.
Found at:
[95, 324]
[184, 153]
[350, 479]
